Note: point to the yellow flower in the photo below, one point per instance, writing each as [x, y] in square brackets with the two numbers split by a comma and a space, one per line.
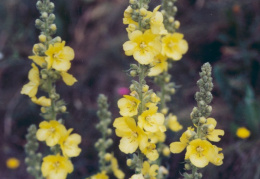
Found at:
[56, 167]
[151, 121]
[51, 132]
[156, 137]
[137, 176]
[31, 88]
[173, 46]
[212, 133]
[149, 171]
[128, 105]
[132, 135]
[128, 16]
[101, 175]
[178, 147]
[69, 144]
[59, 56]
[156, 22]
[42, 101]
[243, 133]
[173, 123]
[117, 172]
[200, 152]
[159, 65]
[68, 78]
[149, 149]
[143, 46]
[217, 158]
[12, 163]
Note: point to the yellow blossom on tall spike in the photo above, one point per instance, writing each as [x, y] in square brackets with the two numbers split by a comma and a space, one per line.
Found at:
[69, 144]
[174, 46]
[212, 133]
[115, 168]
[68, 78]
[127, 16]
[51, 132]
[159, 65]
[42, 101]
[143, 46]
[178, 147]
[201, 152]
[151, 121]
[149, 149]
[150, 171]
[128, 105]
[56, 167]
[156, 22]
[173, 123]
[59, 56]
[132, 135]
[31, 88]
[101, 175]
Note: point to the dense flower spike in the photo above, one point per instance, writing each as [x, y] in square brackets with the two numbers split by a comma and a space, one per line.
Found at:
[200, 152]
[51, 61]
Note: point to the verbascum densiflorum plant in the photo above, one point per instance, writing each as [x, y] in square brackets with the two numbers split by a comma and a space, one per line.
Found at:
[107, 162]
[197, 139]
[51, 61]
[142, 126]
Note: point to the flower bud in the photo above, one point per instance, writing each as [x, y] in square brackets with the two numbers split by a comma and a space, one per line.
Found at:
[129, 162]
[53, 27]
[143, 11]
[187, 166]
[166, 151]
[177, 24]
[42, 38]
[202, 120]
[171, 19]
[108, 157]
[145, 88]
[133, 73]
[211, 128]
[165, 111]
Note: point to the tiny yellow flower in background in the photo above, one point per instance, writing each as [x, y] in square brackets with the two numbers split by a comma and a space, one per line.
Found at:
[56, 167]
[51, 132]
[132, 135]
[128, 105]
[42, 101]
[31, 88]
[159, 65]
[200, 152]
[213, 133]
[59, 56]
[143, 46]
[69, 144]
[149, 171]
[166, 151]
[173, 123]
[174, 46]
[243, 133]
[12, 163]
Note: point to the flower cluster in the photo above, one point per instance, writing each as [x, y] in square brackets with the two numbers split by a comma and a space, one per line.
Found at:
[200, 151]
[51, 61]
[55, 134]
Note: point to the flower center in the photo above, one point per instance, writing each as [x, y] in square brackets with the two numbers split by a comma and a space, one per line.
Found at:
[56, 164]
[143, 45]
[199, 149]
[55, 55]
[52, 129]
[170, 44]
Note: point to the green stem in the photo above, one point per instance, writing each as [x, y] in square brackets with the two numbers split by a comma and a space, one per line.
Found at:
[162, 85]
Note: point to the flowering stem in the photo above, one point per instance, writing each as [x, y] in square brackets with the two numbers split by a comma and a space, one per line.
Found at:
[163, 104]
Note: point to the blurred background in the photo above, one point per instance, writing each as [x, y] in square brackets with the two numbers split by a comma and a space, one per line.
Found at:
[225, 33]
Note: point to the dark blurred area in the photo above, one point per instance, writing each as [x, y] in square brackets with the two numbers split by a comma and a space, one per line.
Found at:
[225, 33]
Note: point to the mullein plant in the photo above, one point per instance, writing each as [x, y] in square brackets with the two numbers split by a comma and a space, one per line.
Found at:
[142, 126]
[51, 61]
[107, 162]
[197, 139]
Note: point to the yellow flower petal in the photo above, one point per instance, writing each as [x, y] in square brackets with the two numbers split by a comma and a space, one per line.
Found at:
[68, 78]
[177, 147]
[213, 136]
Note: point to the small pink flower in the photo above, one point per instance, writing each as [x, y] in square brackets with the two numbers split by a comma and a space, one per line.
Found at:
[123, 91]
